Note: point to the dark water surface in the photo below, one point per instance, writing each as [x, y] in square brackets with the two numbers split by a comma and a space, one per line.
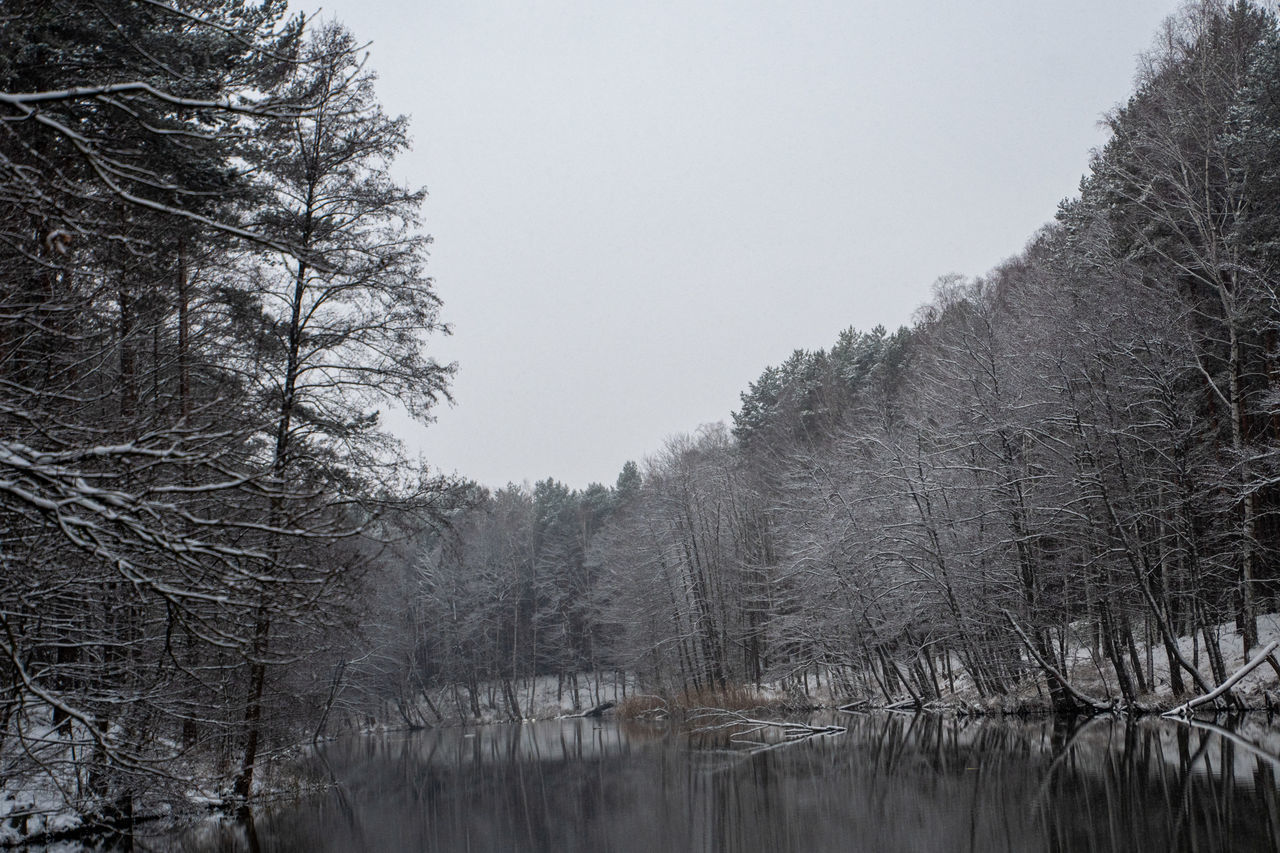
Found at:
[890, 783]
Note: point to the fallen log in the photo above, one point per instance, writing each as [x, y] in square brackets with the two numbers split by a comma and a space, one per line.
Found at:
[719, 719]
[1096, 704]
[902, 705]
[1254, 662]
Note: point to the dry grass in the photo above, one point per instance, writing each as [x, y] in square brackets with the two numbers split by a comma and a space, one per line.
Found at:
[642, 706]
[735, 697]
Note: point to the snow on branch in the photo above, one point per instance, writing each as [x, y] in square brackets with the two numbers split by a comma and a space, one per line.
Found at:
[1254, 662]
[743, 728]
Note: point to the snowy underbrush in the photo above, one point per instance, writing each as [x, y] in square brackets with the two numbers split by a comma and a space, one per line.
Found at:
[61, 788]
[34, 809]
[51, 782]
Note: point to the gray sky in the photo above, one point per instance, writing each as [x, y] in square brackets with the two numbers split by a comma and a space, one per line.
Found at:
[637, 206]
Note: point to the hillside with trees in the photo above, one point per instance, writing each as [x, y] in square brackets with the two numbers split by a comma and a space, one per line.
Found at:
[1074, 454]
[213, 550]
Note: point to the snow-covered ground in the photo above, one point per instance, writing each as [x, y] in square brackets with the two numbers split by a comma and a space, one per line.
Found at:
[1095, 677]
[1091, 673]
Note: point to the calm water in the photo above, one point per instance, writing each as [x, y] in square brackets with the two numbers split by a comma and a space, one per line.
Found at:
[890, 783]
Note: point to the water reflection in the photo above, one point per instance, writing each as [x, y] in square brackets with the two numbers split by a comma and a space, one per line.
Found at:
[891, 783]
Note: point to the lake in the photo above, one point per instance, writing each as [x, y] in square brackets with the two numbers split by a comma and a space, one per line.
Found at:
[891, 782]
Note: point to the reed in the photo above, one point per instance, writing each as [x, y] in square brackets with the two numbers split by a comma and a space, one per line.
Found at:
[733, 697]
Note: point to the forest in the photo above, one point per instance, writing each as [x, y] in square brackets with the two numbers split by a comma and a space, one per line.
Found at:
[211, 286]
[1075, 451]
[213, 550]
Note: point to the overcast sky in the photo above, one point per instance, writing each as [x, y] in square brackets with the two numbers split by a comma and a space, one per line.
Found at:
[638, 206]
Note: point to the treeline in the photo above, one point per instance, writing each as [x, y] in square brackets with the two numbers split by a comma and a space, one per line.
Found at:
[209, 284]
[1075, 451]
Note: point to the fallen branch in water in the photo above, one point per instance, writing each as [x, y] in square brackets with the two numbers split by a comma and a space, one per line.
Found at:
[1257, 660]
[903, 705]
[857, 706]
[791, 732]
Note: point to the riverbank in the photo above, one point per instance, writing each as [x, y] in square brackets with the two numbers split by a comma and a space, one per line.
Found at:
[1096, 682]
[946, 687]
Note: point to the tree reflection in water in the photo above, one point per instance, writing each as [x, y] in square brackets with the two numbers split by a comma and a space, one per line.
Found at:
[891, 783]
